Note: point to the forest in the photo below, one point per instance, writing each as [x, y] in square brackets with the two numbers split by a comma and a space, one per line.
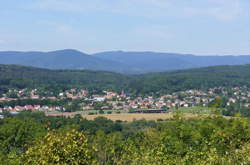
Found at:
[14, 76]
[33, 138]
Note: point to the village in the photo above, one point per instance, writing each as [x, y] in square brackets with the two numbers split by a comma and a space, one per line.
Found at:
[84, 100]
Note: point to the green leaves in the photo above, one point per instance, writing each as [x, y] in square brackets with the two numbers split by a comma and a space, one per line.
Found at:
[62, 148]
[17, 135]
[199, 141]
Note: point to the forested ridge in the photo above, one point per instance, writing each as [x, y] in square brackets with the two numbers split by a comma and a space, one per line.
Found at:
[13, 76]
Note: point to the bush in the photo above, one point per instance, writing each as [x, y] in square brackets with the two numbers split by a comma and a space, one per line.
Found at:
[61, 148]
[160, 120]
[101, 112]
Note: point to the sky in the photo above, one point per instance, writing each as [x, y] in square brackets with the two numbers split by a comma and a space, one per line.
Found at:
[201, 27]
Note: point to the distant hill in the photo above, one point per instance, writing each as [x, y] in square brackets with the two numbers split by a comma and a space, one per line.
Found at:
[117, 61]
[13, 76]
[61, 59]
[157, 62]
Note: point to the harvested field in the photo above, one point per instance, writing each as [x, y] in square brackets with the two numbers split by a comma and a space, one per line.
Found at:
[126, 116]
[130, 117]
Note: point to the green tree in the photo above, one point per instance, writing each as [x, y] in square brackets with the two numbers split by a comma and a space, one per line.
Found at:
[61, 148]
[17, 135]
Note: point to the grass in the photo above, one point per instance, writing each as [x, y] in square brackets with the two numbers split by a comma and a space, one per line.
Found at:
[195, 110]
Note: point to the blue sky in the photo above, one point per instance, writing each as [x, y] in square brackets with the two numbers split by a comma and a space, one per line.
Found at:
[202, 27]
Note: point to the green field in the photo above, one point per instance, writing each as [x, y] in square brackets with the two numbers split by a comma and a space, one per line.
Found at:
[195, 110]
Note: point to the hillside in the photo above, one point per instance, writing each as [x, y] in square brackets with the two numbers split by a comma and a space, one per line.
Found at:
[164, 82]
[22, 77]
[61, 59]
[200, 78]
[117, 61]
[157, 62]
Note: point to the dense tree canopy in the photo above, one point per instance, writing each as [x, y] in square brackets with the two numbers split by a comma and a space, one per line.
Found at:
[55, 80]
[202, 140]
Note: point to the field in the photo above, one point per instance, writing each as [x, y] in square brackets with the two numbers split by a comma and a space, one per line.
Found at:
[188, 112]
[196, 110]
[129, 117]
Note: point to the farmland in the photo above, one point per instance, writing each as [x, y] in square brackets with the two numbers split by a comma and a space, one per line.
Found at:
[132, 117]
[129, 117]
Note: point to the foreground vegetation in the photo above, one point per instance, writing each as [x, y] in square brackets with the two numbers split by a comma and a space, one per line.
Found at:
[32, 138]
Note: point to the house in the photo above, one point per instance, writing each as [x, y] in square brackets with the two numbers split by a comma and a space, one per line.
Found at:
[29, 107]
[19, 108]
[37, 107]
[232, 100]
[13, 112]
[99, 99]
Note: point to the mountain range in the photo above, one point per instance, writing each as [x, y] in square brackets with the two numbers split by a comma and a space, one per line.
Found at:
[117, 61]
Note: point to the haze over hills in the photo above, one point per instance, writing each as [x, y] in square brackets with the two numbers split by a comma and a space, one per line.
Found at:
[61, 59]
[158, 62]
[117, 61]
